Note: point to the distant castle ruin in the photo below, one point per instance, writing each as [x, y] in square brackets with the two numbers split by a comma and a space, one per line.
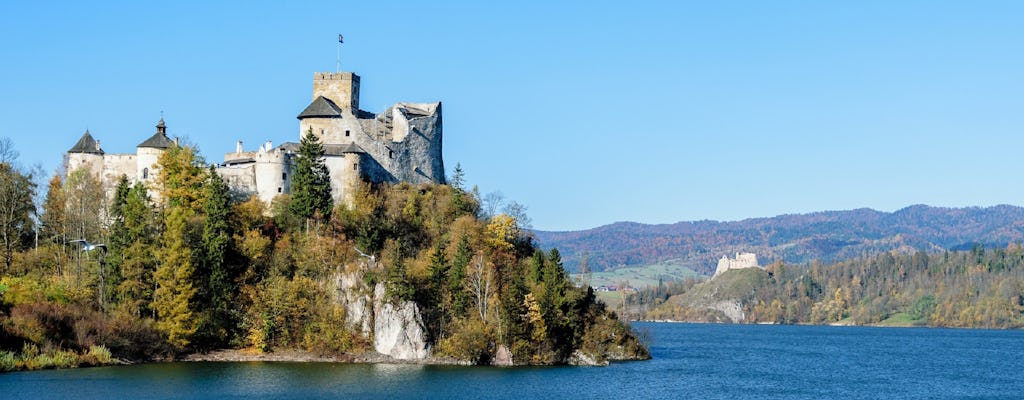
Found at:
[742, 260]
[400, 144]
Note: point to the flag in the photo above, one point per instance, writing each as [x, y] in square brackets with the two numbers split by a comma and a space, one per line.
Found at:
[340, 39]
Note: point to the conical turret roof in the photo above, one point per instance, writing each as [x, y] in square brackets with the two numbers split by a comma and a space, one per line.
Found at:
[159, 139]
[86, 145]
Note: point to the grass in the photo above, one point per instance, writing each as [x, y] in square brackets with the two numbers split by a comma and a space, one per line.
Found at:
[900, 319]
[31, 358]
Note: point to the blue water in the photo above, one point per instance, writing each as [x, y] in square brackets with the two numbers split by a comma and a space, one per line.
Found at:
[690, 361]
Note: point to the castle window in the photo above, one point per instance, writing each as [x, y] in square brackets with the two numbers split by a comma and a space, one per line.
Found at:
[391, 154]
[348, 133]
[284, 176]
[355, 166]
[279, 190]
[145, 173]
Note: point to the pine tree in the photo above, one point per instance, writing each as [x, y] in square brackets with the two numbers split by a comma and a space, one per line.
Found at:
[135, 260]
[457, 276]
[216, 279]
[311, 182]
[173, 299]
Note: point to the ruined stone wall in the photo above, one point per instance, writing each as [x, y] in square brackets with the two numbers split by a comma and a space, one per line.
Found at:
[742, 260]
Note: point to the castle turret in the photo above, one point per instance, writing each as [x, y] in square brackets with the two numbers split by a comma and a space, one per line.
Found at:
[86, 154]
[150, 150]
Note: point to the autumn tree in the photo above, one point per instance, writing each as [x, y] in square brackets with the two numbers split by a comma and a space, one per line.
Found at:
[53, 231]
[16, 207]
[173, 298]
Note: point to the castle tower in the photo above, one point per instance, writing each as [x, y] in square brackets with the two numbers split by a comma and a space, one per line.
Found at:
[150, 150]
[342, 88]
[86, 154]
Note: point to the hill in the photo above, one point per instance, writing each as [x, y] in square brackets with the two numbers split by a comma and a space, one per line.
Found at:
[796, 238]
[978, 288]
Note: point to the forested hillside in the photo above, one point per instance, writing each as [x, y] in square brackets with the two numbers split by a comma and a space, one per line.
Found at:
[977, 288]
[824, 236]
[182, 266]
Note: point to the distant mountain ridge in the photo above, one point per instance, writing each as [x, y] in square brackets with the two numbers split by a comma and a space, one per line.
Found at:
[796, 238]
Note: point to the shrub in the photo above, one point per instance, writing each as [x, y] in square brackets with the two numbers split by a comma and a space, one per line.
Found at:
[64, 359]
[8, 361]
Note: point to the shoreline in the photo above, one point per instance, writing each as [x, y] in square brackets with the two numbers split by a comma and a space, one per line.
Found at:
[294, 355]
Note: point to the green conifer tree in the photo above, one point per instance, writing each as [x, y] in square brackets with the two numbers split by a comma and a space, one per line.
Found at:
[311, 181]
[216, 280]
[136, 261]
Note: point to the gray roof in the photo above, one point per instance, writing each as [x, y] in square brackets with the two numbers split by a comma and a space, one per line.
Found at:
[329, 149]
[86, 145]
[338, 149]
[321, 107]
[159, 140]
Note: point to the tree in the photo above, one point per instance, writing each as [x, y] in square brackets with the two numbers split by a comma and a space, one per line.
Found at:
[16, 207]
[180, 178]
[86, 206]
[54, 221]
[311, 182]
[173, 299]
[135, 260]
[481, 283]
[458, 177]
[216, 280]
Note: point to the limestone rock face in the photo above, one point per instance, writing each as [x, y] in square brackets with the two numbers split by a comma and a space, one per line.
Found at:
[398, 329]
[354, 295]
[732, 310]
[502, 357]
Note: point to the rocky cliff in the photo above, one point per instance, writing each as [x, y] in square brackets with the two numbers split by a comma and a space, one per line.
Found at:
[395, 326]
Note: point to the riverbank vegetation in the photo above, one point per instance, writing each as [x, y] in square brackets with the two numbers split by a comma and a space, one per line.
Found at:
[979, 288]
[187, 266]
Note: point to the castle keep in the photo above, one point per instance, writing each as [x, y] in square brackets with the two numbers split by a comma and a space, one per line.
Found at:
[400, 144]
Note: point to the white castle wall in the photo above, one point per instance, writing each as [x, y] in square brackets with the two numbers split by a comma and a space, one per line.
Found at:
[401, 144]
[743, 260]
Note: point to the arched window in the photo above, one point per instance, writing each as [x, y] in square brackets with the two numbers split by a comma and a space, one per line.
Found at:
[145, 173]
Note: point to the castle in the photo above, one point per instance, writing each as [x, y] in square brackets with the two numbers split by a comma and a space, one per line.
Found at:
[743, 260]
[400, 144]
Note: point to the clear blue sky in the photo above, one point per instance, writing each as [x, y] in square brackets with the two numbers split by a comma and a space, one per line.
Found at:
[587, 112]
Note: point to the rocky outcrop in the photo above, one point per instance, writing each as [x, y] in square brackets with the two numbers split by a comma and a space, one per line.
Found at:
[398, 329]
[395, 326]
[503, 357]
[355, 296]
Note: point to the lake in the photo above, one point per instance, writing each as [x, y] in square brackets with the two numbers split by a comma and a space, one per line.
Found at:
[690, 361]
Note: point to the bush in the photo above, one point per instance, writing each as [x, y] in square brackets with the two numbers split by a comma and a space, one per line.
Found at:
[98, 355]
[64, 359]
[471, 341]
[8, 361]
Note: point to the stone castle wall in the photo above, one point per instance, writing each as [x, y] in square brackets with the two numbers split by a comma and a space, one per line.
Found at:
[401, 144]
[742, 260]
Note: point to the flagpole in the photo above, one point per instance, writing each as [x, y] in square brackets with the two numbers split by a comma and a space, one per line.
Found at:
[337, 64]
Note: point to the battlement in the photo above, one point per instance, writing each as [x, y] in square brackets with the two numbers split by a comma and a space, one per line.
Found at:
[340, 87]
[335, 76]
